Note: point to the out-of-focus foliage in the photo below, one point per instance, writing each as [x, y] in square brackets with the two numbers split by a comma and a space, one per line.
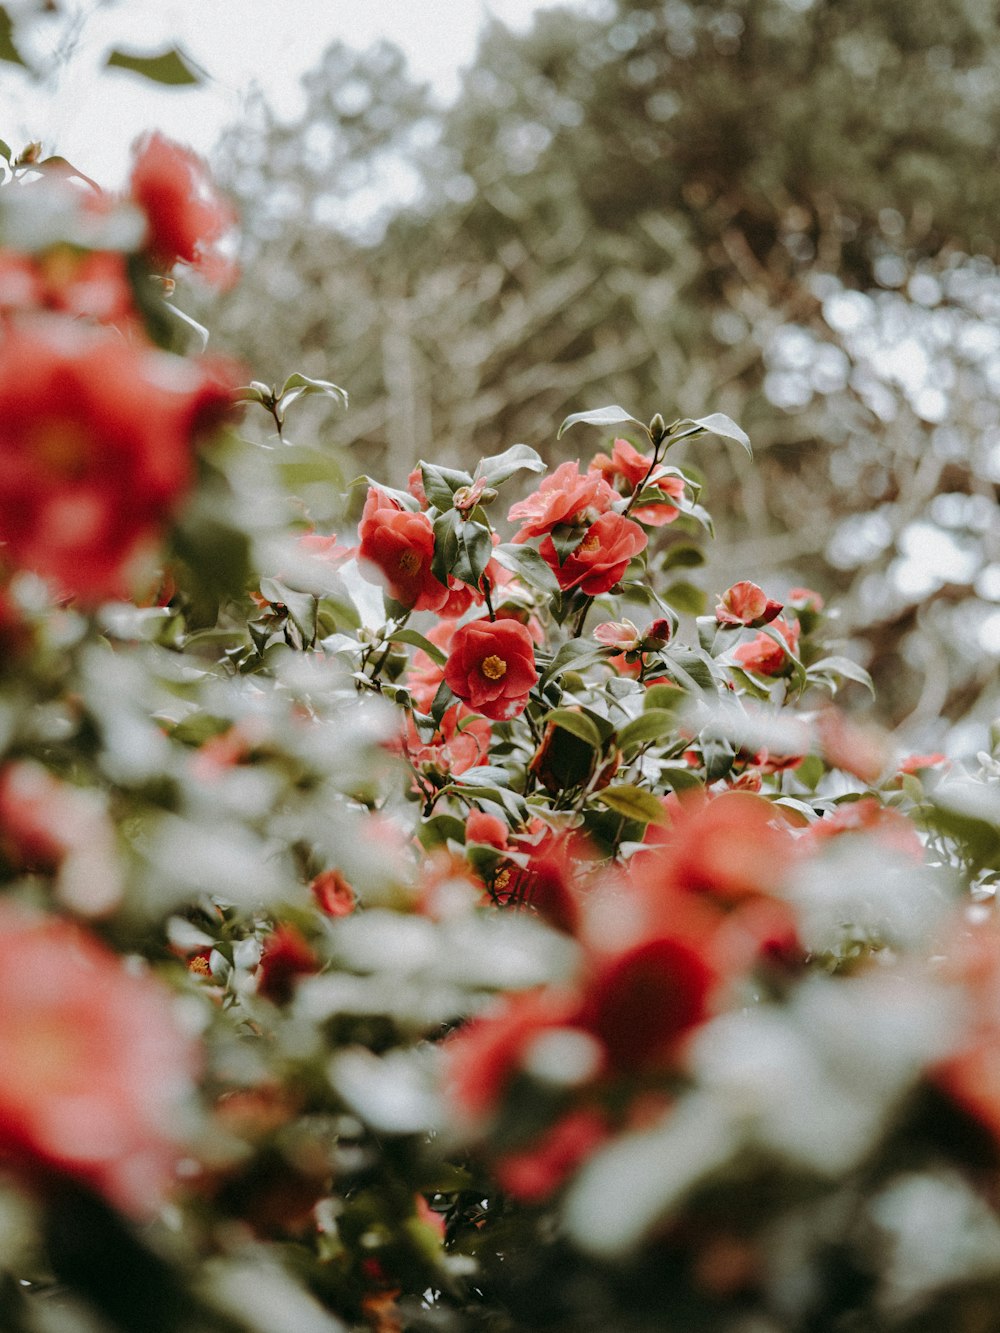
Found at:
[785, 208]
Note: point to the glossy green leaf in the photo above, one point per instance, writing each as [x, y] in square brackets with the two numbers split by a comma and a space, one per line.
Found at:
[653, 725]
[518, 458]
[417, 640]
[685, 597]
[8, 49]
[578, 724]
[601, 416]
[632, 802]
[841, 666]
[528, 565]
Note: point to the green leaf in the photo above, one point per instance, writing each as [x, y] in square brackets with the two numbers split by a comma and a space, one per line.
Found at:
[170, 66]
[528, 565]
[841, 666]
[665, 697]
[475, 547]
[653, 725]
[601, 416]
[685, 597]
[8, 48]
[417, 640]
[632, 802]
[575, 655]
[682, 556]
[715, 424]
[578, 724]
[298, 385]
[443, 700]
[441, 483]
[565, 538]
[446, 544]
[6, 152]
[681, 779]
[518, 458]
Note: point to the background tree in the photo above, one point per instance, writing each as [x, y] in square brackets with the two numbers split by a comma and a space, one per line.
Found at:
[781, 209]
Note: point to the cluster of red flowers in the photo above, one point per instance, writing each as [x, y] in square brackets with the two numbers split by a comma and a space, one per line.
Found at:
[97, 426]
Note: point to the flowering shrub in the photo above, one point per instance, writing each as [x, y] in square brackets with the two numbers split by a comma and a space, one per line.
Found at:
[443, 929]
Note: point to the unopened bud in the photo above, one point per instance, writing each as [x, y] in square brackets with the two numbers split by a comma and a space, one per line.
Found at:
[657, 428]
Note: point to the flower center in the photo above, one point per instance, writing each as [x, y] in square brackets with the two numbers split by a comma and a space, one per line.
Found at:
[409, 562]
[589, 546]
[493, 667]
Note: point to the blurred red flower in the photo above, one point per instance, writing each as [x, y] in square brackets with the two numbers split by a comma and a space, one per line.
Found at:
[96, 436]
[93, 1062]
[188, 220]
[765, 656]
[626, 462]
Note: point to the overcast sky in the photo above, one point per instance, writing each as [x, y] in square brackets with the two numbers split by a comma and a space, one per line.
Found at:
[91, 117]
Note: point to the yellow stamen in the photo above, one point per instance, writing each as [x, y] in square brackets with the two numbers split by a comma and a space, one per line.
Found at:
[588, 546]
[409, 562]
[493, 667]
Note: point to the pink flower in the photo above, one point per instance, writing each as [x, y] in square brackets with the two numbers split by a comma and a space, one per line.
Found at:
[567, 496]
[286, 956]
[632, 467]
[622, 635]
[765, 656]
[93, 1061]
[332, 894]
[461, 742]
[600, 559]
[746, 604]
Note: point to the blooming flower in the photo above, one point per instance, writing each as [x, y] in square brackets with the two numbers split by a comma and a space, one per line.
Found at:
[286, 956]
[96, 436]
[398, 545]
[332, 894]
[632, 468]
[765, 656]
[461, 742]
[94, 1063]
[489, 830]
[601, 557]
[188, 220]
[491, 667]
[567, 496]
[746, 604]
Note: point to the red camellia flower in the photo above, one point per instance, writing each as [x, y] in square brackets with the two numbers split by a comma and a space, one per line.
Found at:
[332, 894]
[399, 543]
[187, 218]
[765, 656]
[492, 667]
[563, 497]
[631, 467]
[489, 830]
[93, 1062]
[600, 559]
[746, 604]
[461, 742]
[285, 957]
[96, 437]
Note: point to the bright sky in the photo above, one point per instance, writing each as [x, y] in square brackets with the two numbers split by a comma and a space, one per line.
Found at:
[91, 117]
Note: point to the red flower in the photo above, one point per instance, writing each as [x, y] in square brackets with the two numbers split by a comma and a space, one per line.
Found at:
[627, 463]
[188, 220]
[765, 656]
[332, 893]
[400, 545]
[643, 1001]
[93, 1063]
[285, 957]
[746, 604]
[600, 559]
[532, 1174]
[567, 496]
[492, 667]
[461, 742]
[489, 830]
[96, 437]
[483, 1056]
[424, 675]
